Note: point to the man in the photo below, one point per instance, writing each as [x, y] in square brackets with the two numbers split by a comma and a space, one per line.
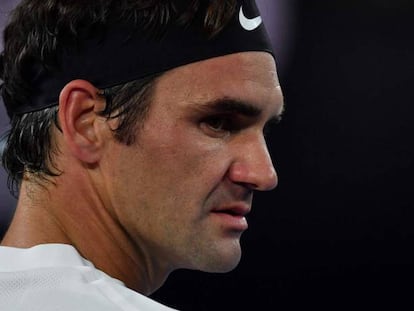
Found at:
[136, 143]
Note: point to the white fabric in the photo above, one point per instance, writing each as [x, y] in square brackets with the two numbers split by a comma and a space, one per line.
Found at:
[54, 277]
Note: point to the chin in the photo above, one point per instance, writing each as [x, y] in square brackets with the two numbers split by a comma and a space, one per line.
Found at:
[223, 262]
[226, 267]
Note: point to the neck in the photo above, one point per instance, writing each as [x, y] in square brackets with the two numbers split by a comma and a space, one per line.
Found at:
[80, 218]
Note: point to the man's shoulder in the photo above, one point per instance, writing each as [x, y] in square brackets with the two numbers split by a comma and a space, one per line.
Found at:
[61, 289]
[50, 289]
[56, 277]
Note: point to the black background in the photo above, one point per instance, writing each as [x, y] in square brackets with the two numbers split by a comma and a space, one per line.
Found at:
[338, 231]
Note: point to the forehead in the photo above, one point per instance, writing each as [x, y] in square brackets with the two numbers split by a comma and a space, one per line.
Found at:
[248, 77]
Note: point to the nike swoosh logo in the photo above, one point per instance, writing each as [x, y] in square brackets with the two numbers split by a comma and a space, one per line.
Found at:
[249, 24]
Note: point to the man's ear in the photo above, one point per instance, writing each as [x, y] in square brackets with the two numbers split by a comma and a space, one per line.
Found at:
[79, 103]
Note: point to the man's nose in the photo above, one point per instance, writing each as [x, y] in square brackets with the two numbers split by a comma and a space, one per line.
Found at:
[253, 166]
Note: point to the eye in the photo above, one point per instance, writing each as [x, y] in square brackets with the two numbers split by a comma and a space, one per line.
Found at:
[218, 125]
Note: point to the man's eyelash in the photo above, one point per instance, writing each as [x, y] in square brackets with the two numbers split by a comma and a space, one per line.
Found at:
[226, 123]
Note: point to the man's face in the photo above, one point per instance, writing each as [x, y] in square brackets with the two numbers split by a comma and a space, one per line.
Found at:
[182, 190]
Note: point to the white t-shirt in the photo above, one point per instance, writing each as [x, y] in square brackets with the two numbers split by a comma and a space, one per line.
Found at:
[54, 277]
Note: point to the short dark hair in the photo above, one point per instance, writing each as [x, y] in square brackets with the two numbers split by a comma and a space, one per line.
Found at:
[38, 29]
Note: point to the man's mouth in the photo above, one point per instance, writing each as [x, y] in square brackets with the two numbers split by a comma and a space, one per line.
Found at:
[233, 216]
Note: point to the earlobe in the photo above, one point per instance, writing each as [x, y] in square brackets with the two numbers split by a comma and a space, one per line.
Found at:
[79, 103]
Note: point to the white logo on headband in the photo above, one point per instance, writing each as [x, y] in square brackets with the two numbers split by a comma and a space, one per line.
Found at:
[249, 24]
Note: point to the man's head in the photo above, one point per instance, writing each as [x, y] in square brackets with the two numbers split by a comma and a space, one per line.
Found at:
[188, 182]
[171, 157]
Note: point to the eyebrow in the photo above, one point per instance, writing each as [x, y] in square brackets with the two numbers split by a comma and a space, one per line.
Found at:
[230, 105]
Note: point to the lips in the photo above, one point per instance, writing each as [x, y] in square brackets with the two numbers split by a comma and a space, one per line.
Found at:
[234, 210]
[232, 217]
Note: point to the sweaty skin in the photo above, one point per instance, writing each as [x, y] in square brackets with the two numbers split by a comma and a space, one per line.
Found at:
[176, 198]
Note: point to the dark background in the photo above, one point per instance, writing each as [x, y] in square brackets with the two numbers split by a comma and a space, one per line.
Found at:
[338, 231]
